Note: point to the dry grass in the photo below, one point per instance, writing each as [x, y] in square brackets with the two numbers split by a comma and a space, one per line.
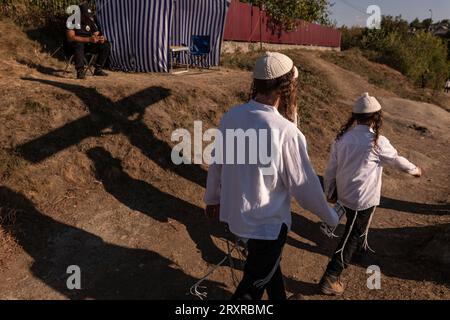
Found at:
[33, 106]
[7, 217]
[384, 77]
[315, 92]
[10, 161]
[8, 243]
[73, 196]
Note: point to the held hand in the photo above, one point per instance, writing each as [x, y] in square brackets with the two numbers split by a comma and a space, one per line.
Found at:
[94, 39]
[332, 200]
[328, 230]
[212, 212]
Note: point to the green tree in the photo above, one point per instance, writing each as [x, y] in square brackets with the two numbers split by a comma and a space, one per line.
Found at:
[391, 24]
[286, 13]
[416, 24]
[427, 23]
[419, 55]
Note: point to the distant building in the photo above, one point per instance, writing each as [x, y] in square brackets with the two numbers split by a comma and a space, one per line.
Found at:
[441, 29]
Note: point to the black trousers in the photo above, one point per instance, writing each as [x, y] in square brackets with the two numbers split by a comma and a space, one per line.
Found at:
[352, 241]
[263, 257]
[103, 50]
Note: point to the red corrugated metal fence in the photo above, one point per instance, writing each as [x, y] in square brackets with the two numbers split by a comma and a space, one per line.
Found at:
[247, 23]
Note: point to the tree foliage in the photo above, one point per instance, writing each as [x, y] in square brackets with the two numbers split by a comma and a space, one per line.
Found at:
[286, 13]
[408, 47]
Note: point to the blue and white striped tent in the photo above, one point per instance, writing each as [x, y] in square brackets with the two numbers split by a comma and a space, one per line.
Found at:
[142, 31]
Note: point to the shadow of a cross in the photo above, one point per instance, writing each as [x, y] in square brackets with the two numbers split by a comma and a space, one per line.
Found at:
[124, 116]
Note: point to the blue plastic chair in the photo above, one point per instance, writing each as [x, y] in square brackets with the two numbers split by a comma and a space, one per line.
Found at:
[200, 50]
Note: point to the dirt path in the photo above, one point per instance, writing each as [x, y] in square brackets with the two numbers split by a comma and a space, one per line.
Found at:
[348, 85]
[96, 189]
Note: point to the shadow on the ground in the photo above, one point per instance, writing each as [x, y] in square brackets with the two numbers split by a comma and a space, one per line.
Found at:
[49, 38]
[141, 196]
[124, 116]
[41, 68]
[412, 207]
[301, 289]
[108, 271]
[400, 252]
[310, 231]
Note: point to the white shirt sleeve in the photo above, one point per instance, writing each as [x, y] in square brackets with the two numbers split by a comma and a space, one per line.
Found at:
[389, 157]
[330, 173]
[212, 195]
[213, 182]
[303, 183]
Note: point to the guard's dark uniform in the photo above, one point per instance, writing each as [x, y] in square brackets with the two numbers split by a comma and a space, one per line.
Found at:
[88, 28]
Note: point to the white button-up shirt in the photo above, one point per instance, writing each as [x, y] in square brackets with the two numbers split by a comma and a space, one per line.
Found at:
[255, 204]
[355, 168]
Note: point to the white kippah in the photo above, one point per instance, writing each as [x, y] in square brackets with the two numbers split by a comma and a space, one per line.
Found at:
[272, 65]
[366, 104]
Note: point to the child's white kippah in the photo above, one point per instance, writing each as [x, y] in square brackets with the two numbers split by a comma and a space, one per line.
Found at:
[272, 65]
[366, 104]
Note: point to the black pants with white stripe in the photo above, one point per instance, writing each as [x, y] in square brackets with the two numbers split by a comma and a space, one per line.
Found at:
[352, 241]
[262, 260]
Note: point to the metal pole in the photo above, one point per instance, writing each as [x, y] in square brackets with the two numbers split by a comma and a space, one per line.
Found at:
[431, 23]
[260, 29]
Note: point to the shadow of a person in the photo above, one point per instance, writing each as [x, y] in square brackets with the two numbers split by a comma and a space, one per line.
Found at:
[108, 271]
[399, 252]
[301, 289]
[310, 230]
[40, 68]
[412, 207]
[124, 116]
[143, 197]
[411, 253]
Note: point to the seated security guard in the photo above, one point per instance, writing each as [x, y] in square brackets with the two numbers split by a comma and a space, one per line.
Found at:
[88, 39]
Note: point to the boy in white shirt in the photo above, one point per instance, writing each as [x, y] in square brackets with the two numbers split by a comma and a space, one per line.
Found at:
[255, 199]
[353, 178]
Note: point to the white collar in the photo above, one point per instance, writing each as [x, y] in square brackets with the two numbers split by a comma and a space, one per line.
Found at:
[363, 127]
[263, 106]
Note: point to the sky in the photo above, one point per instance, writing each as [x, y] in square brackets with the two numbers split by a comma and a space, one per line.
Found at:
[353, 12]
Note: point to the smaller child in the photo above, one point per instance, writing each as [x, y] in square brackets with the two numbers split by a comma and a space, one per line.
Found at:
[447, 86]
[353, 176]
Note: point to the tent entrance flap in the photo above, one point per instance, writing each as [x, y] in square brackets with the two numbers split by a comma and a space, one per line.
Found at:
[141, 32]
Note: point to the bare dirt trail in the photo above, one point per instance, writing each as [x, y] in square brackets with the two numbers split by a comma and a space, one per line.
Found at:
[93, 185]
